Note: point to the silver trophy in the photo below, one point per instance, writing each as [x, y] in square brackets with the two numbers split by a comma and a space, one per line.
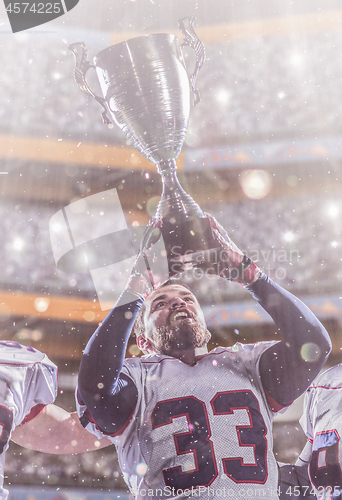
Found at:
[146, 91]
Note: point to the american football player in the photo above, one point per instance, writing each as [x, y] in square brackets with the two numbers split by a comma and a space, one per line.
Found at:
[28, 388]
[185, 421]
[321, 458]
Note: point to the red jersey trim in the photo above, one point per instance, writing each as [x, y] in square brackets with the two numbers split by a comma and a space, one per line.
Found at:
[273, 404]
[171, 358]
[324, 387]
[33, 413]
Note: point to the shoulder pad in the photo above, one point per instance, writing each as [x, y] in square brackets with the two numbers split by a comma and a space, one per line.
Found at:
[14, 353]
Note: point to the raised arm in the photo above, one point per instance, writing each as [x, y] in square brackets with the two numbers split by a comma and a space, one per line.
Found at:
[287, 368]
[56, 431]
[109, 395]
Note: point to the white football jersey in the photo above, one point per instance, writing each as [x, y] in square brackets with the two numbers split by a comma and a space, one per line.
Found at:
[28, 379]
[322, 424]
[207, 425]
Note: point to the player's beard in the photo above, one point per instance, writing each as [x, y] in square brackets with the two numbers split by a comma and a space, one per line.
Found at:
[174, 338]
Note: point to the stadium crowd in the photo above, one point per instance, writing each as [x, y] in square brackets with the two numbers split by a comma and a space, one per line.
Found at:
[297, 241]
[250, 87]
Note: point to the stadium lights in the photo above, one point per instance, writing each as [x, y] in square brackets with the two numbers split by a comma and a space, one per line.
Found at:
[297, 59]
[223, 96]
[288, 236]
[18, 244]
[333, 211]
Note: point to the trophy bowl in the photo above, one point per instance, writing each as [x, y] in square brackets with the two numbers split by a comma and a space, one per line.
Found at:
[146, 92]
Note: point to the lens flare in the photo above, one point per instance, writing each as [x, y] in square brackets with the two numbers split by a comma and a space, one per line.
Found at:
[256, 184]
[41, 304]
[310, 352]
[141, 469]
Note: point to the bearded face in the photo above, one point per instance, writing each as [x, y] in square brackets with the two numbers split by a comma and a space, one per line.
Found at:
[170, 339]
[174, 321]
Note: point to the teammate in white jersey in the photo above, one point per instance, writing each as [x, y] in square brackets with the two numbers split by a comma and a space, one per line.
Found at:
[322, 424]
[28, 387]
[321, 458]
[187, 422]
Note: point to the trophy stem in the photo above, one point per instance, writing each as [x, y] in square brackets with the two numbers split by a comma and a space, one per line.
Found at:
[175, 204]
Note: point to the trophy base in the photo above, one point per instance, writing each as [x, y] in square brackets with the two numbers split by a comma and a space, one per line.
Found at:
[188, 243]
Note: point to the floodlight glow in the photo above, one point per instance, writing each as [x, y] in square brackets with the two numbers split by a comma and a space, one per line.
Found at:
[297, 59]
[41, 304]
[223, 96]
[56, 227]
[255, 184]
[18, 244]
[289, 236]
[333, 211]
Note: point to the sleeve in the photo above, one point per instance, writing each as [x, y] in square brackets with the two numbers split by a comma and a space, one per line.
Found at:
[41, 389]
[131, 370]
[85, 418]
[305, 419]
[288, 367]
[250, 354]
[108, 393]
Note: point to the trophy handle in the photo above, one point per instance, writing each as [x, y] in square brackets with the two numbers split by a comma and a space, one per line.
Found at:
[186, 25]
[80, 52]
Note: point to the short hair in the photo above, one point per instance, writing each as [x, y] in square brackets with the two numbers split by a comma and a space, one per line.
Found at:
[139, 324]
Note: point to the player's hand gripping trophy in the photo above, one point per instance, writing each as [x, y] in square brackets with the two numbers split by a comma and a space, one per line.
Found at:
[146, 90]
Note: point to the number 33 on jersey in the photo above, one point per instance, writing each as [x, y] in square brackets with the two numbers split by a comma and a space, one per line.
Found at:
[212, 435]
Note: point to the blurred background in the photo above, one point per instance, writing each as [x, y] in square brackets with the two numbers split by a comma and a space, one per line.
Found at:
[263, 154]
